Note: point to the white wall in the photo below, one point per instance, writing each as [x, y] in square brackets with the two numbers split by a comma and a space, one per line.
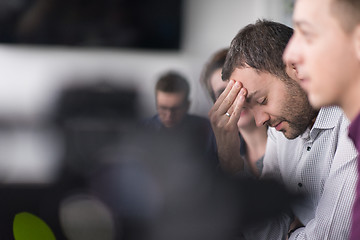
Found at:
[31, 77]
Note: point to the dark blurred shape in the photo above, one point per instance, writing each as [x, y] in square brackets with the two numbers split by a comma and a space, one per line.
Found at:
[91, 118]
[101, 101]
[265, 199]
[161, 188]
[136, 24]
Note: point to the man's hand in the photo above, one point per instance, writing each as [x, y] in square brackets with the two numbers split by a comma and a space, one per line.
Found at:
[224, 116]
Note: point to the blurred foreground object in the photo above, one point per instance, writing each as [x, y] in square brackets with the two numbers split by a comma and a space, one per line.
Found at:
[120, 181]
[29, 227]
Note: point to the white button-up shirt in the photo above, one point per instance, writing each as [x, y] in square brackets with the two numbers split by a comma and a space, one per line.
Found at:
[321, 163]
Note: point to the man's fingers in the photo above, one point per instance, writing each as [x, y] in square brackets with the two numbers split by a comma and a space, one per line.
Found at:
[224, 94]
[229, 99]
[226, 110]
[238, 105]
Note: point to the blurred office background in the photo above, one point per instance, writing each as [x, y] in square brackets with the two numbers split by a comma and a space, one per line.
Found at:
[33, 75]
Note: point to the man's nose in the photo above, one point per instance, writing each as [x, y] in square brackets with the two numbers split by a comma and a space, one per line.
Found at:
[261, 118]
[291, 54]
[168, 113]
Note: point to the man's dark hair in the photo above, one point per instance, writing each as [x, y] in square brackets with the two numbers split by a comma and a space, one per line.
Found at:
[259, 46]
[216, 61]
[173, 82]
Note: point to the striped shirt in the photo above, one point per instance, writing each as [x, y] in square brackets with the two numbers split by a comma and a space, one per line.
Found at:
[321, 163]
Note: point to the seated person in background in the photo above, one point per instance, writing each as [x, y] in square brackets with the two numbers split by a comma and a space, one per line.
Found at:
[236, 152]
[172, 103]
[307, 149]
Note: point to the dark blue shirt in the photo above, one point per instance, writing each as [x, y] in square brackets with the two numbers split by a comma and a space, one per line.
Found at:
[194, 130]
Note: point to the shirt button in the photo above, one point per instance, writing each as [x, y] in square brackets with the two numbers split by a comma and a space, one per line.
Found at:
[308, 148]
[300, 184]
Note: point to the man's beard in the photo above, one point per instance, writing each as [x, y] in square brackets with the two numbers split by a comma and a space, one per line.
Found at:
[298, 112]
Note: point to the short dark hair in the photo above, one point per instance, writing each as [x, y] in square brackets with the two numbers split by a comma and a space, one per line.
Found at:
[173, 82]
[215, 62]
[347, 12]
[259, 46]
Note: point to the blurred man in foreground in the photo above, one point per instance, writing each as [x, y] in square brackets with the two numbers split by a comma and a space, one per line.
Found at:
[325, 50]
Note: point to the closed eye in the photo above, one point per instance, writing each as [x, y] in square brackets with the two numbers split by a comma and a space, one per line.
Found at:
[263, 101]
[303, 32]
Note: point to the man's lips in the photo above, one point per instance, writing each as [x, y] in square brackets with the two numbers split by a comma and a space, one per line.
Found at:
[304, 83]
[278, 126]
[304, 79]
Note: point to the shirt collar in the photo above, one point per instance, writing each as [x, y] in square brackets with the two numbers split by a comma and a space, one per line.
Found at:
[327, 118]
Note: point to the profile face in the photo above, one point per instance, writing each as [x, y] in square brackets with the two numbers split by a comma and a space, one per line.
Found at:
[274, 103]
[171, 107]
[323, 53]
[218, 86]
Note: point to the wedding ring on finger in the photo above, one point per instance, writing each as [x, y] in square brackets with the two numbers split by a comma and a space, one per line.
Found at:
[227, 114]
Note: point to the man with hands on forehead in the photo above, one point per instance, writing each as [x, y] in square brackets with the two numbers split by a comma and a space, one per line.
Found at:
[229, 131]
[307, 149]
[240, 150]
